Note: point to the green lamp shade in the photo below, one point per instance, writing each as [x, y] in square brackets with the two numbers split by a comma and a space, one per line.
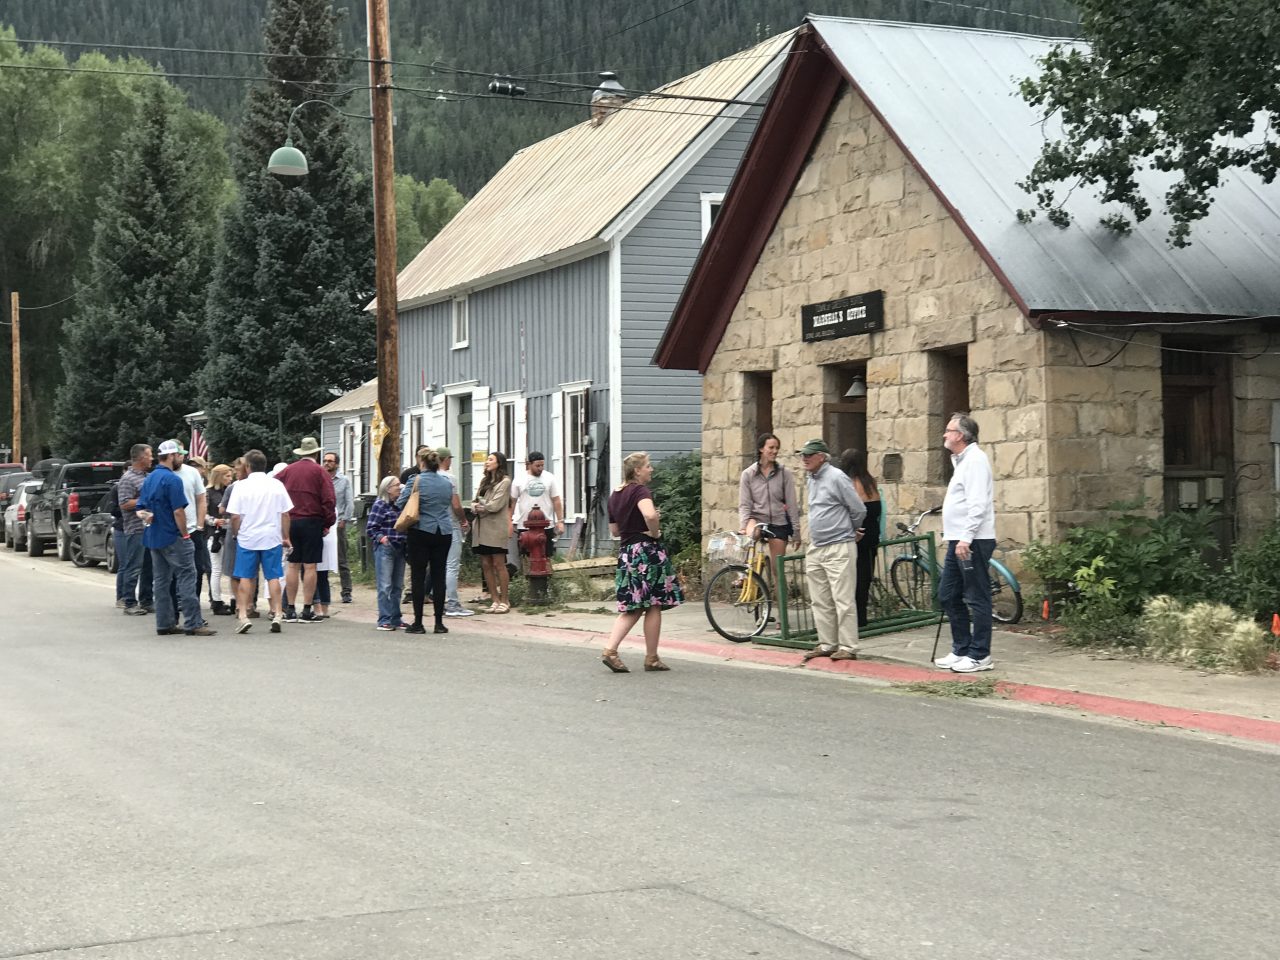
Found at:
[288, 161]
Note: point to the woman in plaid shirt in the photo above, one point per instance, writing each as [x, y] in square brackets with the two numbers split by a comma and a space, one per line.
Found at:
[388, 552]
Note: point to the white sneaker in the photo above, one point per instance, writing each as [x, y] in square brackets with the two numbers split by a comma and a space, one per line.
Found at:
[970, 665]
[949, 661]
[460, 612]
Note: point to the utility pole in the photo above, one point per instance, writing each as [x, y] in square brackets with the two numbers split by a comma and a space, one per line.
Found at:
[16, 333]
[384, 226]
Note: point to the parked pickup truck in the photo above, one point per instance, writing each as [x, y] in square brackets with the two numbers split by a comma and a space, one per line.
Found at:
[69, 492]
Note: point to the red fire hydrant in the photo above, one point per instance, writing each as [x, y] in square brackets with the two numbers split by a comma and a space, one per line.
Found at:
[533, 543]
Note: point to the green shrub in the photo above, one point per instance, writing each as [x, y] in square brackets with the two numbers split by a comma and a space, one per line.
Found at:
[1097, 616]
[1144, 556]
[1252, 580]
[677, 491]
[1208, 635]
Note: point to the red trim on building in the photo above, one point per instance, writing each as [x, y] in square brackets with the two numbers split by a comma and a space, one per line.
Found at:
[770, 167]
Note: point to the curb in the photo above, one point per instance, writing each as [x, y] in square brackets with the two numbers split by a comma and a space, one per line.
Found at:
[1140, 711]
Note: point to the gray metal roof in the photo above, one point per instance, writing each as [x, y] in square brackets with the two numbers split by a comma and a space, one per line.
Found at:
[951, 97]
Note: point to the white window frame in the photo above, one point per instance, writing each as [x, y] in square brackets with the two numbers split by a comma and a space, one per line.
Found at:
[460, 323]
[351, 454]
[505, 426]
[708, 201]
[574, 453]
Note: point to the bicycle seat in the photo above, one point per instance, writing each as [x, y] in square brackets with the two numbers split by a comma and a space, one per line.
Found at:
[903, 527]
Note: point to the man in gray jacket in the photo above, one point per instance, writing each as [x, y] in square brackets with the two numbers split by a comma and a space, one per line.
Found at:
[345, 508]
[831, 562]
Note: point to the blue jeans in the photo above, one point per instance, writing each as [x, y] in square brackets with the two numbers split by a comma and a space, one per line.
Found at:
[117, 544]
[452, 567]
[134, 576]
[388, 566]
[174, 566]
[965, 596]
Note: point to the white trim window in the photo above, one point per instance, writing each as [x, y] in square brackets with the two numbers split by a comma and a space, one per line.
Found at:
[461, 323]
[576, 401]
[351, 452]
[504, 426]
[711, 204]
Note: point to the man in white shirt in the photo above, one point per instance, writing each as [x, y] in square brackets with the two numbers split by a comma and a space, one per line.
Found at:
[259, 509]
[969, 527]
[541, 489]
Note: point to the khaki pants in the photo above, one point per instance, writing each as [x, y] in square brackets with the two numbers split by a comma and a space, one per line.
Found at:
[832, 573]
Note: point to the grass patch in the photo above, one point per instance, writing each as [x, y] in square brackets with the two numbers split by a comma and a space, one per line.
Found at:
[959, 689]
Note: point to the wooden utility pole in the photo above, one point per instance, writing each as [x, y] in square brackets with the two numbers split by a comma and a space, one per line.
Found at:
[384, 225]
[16, 332]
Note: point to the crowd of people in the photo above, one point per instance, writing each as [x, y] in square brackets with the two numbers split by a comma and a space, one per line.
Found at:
[845, 516]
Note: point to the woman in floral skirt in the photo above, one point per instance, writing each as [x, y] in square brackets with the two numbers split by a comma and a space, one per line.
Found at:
[645, 580]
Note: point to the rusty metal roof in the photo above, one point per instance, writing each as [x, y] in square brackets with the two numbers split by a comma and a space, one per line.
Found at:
[552, 201]
[951, 98]
[362, 397]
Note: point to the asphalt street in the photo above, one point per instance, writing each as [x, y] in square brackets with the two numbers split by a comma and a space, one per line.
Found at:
[333, 792]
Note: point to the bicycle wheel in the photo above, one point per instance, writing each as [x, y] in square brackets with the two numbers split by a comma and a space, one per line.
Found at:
[911, 583]
[880, 602]
[1006, 599]
[738, 604]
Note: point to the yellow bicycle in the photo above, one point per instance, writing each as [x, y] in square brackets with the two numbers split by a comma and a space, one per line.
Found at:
[739, 600]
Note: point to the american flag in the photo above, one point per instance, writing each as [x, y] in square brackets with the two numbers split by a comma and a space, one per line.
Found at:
[198, 447]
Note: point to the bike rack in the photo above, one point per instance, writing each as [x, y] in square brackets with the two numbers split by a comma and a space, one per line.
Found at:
[796, 622]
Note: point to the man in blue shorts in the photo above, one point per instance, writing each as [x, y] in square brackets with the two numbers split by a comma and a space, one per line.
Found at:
[259, 509]
[161, 503]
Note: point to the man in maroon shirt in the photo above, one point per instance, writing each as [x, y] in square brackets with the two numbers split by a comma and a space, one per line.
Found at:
[312, 515]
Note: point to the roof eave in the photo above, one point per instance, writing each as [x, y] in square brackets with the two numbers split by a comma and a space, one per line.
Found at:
[766, 176]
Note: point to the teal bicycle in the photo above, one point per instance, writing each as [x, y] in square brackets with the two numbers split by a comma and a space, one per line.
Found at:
[914, 575]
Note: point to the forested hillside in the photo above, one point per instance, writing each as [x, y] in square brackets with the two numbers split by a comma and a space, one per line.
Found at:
[567, 40]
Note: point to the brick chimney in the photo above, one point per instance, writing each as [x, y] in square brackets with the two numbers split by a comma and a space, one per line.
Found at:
[606, 98]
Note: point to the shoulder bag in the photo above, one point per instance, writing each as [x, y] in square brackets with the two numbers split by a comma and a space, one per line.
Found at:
[409, 514]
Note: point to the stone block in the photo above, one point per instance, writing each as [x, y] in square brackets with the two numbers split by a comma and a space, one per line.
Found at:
[1024, 494]
[886, 187]
[1013, 526]
[1075, 455]
[942, 333]
[1107, 418]
[924, 241]
[1060, 420]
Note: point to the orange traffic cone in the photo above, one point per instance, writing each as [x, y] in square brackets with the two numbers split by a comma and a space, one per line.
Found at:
[1275, 624]
[1044, 610]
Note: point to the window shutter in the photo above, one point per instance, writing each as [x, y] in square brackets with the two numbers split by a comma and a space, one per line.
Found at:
[522, 430]
[435, 437]
[557, 436]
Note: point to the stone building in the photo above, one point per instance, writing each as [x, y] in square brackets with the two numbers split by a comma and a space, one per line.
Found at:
[872, 234]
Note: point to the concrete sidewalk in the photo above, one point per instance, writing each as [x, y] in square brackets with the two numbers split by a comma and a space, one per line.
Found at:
[1027, 668]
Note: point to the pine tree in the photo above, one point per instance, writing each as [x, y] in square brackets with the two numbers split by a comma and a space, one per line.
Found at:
[287, 325]
[131, 351]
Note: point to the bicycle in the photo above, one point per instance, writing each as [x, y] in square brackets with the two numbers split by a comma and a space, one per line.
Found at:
[739, 600]
[913, 574]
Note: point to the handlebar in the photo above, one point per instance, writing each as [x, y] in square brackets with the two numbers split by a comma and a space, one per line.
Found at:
[918, 520]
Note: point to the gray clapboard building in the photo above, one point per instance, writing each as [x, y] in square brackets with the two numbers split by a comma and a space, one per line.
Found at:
[531, 320]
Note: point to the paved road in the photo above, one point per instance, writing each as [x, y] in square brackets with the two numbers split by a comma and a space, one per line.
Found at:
[338, 793]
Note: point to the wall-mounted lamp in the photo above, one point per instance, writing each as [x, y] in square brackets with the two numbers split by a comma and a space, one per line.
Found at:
[858, 388]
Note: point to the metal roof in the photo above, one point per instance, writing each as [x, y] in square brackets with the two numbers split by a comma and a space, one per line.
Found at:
[362, 397]
[552, 200]
[951, 98]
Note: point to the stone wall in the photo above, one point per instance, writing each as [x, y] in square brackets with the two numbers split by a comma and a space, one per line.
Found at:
[1256, 386]
[862, 218]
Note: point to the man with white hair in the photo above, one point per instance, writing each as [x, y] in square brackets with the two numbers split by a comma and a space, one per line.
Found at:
[969, 527]
[831, 562]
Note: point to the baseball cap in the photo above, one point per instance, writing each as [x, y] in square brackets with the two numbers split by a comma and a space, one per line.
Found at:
[443, 453]
[170, 446]
[814, 446]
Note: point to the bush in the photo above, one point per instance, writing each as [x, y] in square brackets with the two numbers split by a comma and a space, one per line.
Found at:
[1209, 635]
[1143, 556]
[677, 491]
[1252, 581]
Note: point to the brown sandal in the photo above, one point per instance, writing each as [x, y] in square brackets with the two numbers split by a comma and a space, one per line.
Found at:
[654, 665]
[614, 662]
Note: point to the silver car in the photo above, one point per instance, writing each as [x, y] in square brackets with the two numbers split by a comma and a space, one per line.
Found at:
[15, 515]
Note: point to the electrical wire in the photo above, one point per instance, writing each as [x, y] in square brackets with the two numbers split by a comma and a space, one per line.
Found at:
[80, 45]
[1063, 324]
[616, 33]
[161, 75]
[577, 105]
[1101, 363]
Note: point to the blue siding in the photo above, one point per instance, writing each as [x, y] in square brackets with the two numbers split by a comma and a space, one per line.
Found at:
[529, 335]
[662, 409]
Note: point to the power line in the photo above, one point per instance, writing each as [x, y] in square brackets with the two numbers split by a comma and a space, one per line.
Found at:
[162, 75]
[1072, 327]
[616, 33]
[576, 104]
[81, 45]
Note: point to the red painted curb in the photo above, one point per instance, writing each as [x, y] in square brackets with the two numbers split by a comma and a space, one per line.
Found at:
[1245, 728]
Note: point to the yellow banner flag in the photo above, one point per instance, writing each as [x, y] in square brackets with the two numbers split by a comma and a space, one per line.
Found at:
[378, 431]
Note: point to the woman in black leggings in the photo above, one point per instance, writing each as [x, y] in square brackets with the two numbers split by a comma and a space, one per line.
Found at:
[431, 537]
[854, 463]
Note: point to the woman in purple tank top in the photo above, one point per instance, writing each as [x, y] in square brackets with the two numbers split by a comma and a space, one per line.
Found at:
[645, 578]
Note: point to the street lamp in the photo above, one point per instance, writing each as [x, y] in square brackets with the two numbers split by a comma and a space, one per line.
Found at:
[289, 161]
